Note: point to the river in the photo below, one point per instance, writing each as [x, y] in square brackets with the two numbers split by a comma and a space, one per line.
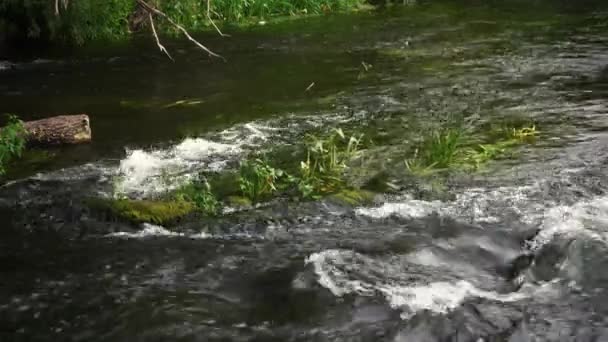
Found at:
[517, 253]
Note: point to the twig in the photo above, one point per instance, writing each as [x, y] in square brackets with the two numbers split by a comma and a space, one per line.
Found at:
[160, 46]
[56, 7]
[213, 22]
[151, 10]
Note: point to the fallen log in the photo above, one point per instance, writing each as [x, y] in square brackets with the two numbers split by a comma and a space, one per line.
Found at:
[58, 130]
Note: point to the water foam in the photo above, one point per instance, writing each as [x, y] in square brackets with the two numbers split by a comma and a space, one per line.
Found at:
[143, 173]
[406, 209]
[402, 291]
[523, 205]
[474, 205]
[150, 230]
[588, 219]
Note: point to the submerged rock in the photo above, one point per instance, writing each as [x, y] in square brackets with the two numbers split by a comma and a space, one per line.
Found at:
[145, 211]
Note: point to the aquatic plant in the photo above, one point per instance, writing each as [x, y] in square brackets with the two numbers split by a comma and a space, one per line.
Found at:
[454, 148]
[12, 141]
[527, 133]
[258, 180]
[476, 156]
[200, 195]
[438, 150]
[326, 160]
[514, 128]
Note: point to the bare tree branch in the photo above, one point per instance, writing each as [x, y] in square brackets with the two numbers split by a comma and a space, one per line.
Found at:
[155, 11]
[65, 5]
[211, 20]
[152, 11]
[160, 46]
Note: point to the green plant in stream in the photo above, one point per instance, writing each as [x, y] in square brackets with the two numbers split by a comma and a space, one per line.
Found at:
[438, 150]
[258, 180]
[483, 153]
[524, 134]
[12, 141]
[200, 195]
[326, 160]
[450, 148]
[507, 138]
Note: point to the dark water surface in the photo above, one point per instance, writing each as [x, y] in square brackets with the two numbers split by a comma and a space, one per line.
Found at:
[516, 253]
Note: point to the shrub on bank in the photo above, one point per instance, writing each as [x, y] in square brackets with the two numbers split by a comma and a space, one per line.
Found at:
[12, 142]
[88, 20]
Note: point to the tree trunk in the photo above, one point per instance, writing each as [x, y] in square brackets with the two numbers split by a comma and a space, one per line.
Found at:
[59, 130]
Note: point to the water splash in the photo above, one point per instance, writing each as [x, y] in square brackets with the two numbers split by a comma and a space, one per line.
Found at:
[406, 292]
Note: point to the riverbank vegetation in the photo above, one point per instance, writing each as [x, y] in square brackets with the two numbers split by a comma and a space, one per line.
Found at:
[12, 142]
[78, 22]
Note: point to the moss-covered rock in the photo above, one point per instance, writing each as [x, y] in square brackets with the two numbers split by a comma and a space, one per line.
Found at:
[140, 211]
[353, 197]
[238, 201]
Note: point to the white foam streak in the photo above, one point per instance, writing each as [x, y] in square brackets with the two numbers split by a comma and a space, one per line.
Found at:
[150, 230]
[588, 219]
[143, 173]
[407, 209]
[474, 205]
[439, 297]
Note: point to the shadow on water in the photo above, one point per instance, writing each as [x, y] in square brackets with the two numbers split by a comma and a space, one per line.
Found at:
[514, 253]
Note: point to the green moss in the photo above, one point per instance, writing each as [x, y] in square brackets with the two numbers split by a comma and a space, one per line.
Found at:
[224, 184]
[140, 211]
[353, 197]
[238, 201]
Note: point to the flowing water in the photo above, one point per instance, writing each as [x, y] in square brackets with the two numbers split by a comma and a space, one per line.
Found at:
[518, 252]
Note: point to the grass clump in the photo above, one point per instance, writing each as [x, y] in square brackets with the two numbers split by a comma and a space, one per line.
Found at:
[12, 142]
[439, 150]
[456, 148]
[199, 195]
[326, 160]
[258, 180]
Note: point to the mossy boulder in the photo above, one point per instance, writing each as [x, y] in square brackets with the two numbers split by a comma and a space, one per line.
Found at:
[238, 201]
[148, 211]
[353, 197]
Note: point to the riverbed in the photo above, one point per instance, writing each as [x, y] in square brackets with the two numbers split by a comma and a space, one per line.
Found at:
[515, 252]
